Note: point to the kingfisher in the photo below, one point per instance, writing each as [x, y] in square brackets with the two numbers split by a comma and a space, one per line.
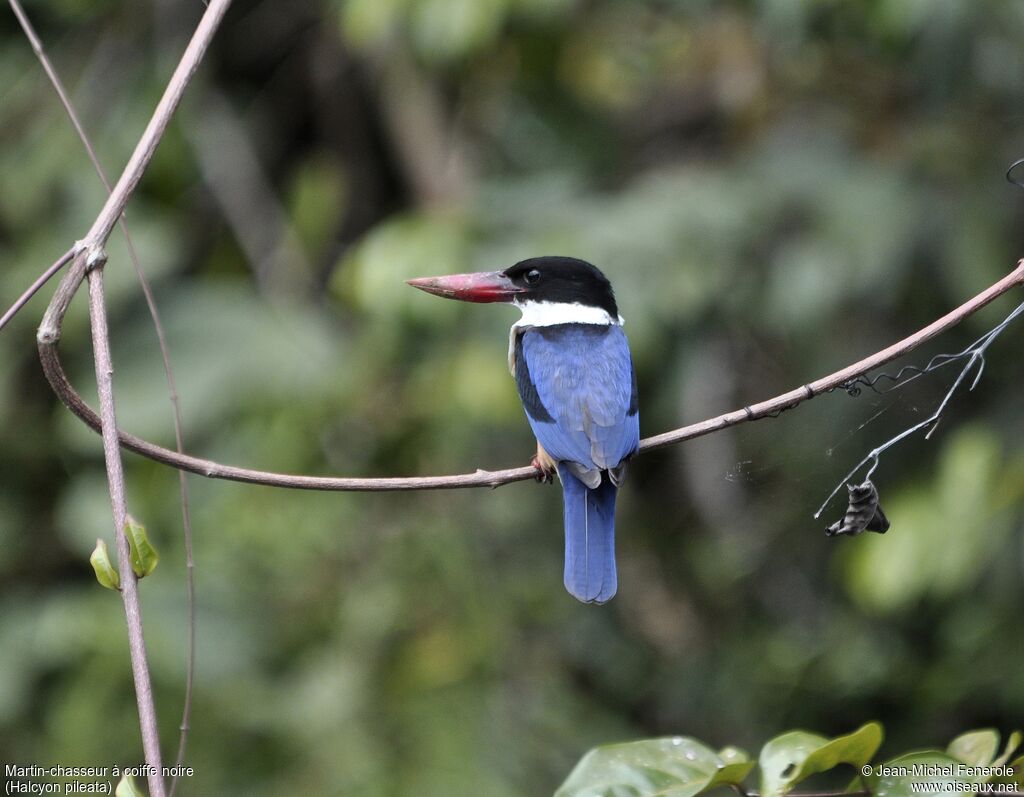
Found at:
[575, 376]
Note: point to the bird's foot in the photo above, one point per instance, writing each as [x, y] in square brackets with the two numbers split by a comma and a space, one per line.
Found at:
[544, 465]
[544, 474]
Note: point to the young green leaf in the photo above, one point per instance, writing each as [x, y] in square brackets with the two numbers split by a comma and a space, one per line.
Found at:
[1011, 747]
[792, 757]
[128, 788]
[736, 766]
[143, 554]
[668, 767]
[106, 573]
[976, 748]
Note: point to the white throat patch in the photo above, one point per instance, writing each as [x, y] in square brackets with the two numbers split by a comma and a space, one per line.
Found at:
[546, 314]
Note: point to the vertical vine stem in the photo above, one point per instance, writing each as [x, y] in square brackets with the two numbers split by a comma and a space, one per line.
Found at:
[95, 259]
[91, 258]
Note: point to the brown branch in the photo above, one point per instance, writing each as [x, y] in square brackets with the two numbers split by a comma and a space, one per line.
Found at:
[147, 291]
[49, 336]
[93, 259]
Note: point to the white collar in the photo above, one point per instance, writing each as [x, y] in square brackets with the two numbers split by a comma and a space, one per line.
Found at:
[546, 314]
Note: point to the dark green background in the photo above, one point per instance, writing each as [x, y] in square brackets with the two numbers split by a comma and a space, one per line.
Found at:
[775, 188]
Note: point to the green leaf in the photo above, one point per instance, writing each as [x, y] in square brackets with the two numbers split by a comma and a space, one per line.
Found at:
[790, 758]
[106, 573]
[668, 767]
[128, 788]
[143, 554]
[1011, 747]
[977, 748]
[929, 772]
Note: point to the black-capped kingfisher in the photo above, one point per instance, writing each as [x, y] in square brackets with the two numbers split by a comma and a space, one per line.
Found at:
[571, 362]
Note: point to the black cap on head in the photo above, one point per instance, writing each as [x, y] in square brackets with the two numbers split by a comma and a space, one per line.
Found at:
[562, 279]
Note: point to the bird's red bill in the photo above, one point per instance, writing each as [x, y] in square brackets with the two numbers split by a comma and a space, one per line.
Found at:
[484, 286]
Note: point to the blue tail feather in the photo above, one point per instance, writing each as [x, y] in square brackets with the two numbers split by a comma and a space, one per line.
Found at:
[589, 538]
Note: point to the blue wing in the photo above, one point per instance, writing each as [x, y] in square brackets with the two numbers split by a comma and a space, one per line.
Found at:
[579, 390]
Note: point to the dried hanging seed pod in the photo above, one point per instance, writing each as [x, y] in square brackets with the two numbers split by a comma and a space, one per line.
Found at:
[863, 513]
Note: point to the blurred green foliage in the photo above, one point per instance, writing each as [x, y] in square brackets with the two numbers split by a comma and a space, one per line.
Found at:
[775, 187]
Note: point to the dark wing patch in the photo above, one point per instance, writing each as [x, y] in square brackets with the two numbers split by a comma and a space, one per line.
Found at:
[527, 389]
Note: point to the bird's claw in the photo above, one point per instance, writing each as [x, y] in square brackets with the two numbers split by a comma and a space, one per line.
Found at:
[545, 474]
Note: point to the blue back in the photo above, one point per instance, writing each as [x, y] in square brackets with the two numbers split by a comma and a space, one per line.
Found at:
[579, 390]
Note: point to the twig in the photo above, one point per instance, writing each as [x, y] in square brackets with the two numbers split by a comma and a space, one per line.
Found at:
[93, 260]
[41, 280]
[69, 108]
[975, 354]
[49, 336]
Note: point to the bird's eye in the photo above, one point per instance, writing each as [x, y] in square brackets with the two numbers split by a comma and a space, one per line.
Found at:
[532, 276]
